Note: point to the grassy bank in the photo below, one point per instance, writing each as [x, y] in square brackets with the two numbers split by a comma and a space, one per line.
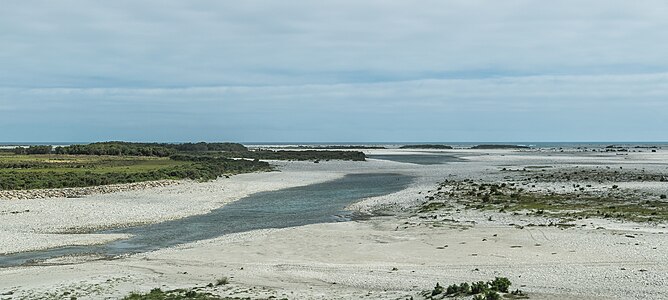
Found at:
[43, 167]
[20, 172]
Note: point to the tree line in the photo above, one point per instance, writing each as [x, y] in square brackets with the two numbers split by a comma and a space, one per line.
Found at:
[229, 150]
[132, 149]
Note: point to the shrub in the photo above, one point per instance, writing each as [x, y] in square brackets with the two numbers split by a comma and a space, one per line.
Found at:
[222, 281]
[492, 295]
[452, 290]
[480, 290]
[662, 196]
[500, 284]
[438, 289]
[464, 288]
[486, 198]
[479, 287]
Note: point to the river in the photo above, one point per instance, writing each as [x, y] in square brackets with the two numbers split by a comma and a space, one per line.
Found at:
[316, 203]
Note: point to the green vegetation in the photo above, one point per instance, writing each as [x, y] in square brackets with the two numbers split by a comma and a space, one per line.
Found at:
[33, 150]
[431, 206]
[145, 149]
[158, 294]
[39, 167]
[614, 204]
[222, 281]
[426, 146]
[19, 172]
[132, 149]
[492, 146]
[180, 294]
[480, 290]
[589, 174]
[229, 150]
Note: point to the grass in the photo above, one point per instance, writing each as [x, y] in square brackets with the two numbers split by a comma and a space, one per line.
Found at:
[20, 172]
[180, 294]
[588, 206]
[158, 294]
[84, 163]
[431, 206]
[621, 205]
[222, 281]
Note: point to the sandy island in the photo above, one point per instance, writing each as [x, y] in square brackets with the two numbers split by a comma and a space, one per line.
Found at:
[395, 256]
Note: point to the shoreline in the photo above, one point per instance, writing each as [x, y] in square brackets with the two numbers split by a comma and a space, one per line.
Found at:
[78, 192]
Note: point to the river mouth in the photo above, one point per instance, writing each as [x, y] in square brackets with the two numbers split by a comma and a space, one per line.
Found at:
[317, 203]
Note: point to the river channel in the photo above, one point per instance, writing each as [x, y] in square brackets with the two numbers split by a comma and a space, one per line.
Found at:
[316, 203]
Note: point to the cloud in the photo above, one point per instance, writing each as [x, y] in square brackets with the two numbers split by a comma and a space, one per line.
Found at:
[519, 108]
[174, 43]
[333, 70]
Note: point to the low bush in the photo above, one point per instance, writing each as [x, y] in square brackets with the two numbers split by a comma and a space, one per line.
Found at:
[492, 295]
[500, 284]
[481, 290]
[438, 289]
[222, 281]
[479, 287]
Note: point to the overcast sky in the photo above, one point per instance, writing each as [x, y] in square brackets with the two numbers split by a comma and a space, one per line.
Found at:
[334, 71]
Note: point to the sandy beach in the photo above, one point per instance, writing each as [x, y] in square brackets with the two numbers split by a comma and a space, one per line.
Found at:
[397, 254]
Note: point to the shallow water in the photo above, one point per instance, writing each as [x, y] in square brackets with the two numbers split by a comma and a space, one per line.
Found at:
[317, 203]
[420, 159]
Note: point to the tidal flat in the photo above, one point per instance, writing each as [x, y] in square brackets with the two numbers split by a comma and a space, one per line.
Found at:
[558, 223]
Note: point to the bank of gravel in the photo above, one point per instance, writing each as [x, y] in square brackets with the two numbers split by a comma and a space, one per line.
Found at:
[84, 191]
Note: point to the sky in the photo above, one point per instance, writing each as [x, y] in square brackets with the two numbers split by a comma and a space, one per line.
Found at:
[333, 71]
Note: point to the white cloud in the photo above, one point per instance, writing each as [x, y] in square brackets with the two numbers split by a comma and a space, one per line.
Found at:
[174, 43]
[493, 107]
[399, 69]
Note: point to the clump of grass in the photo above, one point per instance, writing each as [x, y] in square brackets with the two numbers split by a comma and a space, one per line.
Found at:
[438, 289]
[432, 206]
[222, 281]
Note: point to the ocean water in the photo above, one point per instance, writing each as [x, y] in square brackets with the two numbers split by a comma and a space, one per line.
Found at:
[455, 144]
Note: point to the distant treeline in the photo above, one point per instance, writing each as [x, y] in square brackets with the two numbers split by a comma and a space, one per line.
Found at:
[425, 146]
[298, 155]
[33, 150]
[486, 147]
[132, 149]
[228, 150]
